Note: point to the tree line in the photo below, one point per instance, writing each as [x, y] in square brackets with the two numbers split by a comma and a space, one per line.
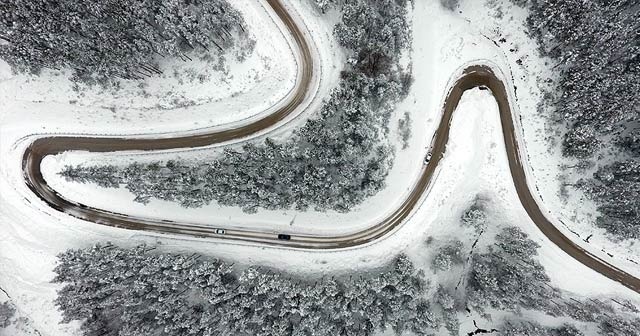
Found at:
[106, 40]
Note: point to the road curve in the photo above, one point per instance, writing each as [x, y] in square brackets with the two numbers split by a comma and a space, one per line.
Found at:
[472, 77]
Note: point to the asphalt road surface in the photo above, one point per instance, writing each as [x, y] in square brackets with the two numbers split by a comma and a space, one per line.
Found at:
[472, 77]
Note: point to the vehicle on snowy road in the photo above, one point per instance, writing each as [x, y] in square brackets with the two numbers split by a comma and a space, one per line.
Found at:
[427, 158]
[283, 236]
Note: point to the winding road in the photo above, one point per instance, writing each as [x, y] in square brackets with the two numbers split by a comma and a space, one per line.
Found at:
[472, 77]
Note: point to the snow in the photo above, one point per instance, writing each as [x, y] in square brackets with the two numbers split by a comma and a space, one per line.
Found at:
[120, 200]
[21, 324]
[32, 235]
[243, 90]
[575, 214]
[475, 163]
[432, 72]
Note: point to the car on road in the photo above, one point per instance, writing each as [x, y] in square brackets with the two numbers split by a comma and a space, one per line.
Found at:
[283, 236]
[221, 231]
[427, 158]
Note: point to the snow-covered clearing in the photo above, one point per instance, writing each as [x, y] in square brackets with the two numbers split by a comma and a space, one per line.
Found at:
[475, 163]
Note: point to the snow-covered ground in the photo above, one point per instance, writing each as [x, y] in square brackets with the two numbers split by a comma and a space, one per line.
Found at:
[331, 59]
[239, 91]
[31, 235]
[574, 211]
[475, 163]
[471, 34]
[435, 64]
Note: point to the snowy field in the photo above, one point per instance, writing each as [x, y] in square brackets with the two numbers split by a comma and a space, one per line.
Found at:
[475, 161]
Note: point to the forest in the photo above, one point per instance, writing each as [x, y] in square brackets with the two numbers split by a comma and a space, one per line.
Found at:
[139, 291]
[144, 290]
[596, 98]
[103, 41]
[333, 162]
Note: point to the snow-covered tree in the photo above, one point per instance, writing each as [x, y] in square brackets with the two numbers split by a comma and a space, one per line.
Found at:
[334, 161]
[448, 255]
[595, 98]
[7, 311]
[139, 291]
[109, 39]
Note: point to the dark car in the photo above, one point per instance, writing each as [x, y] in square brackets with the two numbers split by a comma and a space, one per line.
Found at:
[283, 236]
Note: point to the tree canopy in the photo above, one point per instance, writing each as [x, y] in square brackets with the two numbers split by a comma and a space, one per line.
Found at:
[103, 40]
